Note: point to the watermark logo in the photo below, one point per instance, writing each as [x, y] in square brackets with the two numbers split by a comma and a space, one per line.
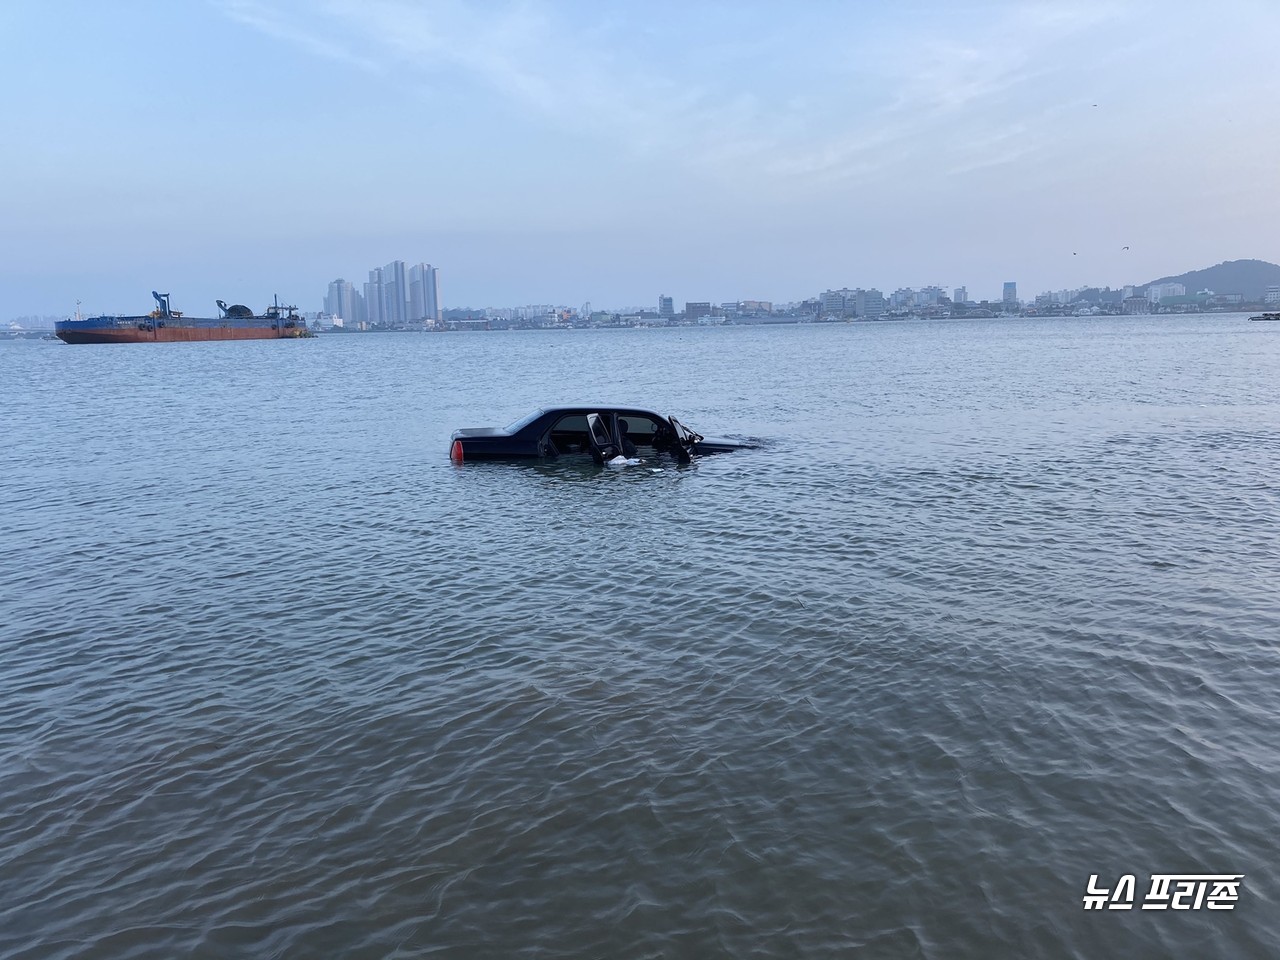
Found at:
[1168, 891]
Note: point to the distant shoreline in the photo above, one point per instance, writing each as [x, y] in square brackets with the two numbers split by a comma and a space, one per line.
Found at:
[499, 326]
[505, 327]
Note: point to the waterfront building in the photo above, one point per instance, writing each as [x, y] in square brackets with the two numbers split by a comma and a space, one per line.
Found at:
[929, 296]
[1160, 291]
[424, 293]
[665, 307]
[373, 302]
[1273, 294]
[392, 297]
[960, 295]
[535, 311]
[868, 303]
[836, 302]
[1011, 295]
[342, 300]
[395, 294]
[699, 308]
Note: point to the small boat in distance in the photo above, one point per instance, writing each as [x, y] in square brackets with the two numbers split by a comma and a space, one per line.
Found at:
[1266, 316]
[165, 325]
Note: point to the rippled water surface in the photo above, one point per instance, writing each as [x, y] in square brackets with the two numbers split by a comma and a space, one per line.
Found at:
[992, 609]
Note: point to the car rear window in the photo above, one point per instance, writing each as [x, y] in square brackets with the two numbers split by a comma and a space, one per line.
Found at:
[523, 422]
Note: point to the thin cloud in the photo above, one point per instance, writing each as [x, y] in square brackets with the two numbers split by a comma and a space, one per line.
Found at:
[943, 96]
[269, 21]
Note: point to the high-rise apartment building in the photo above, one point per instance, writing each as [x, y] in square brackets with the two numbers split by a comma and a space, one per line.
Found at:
[393, 297]
[961, 295]
[373, 302]
[395, 294]
[1011, 295]
[665, 307]
[342, 300]
[424, 293]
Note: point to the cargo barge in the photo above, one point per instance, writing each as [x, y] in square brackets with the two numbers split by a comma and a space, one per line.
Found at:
[165, 325]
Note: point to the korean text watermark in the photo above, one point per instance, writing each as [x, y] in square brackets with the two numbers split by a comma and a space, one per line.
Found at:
[1168, 891]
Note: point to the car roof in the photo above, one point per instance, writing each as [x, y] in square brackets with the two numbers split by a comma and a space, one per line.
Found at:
[596, 407]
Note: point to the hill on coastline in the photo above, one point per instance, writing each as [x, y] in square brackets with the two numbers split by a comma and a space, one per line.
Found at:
[1248, 277]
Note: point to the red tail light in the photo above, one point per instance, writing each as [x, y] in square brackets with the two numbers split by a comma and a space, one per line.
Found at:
[455, 452]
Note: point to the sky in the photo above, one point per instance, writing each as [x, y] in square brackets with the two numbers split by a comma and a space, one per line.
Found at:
[611, 152]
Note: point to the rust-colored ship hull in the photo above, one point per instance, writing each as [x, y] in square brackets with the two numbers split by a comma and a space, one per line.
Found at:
[169, 333]
[169, 326]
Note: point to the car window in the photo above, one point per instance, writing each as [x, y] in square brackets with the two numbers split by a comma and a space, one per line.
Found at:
[574, 423]
[640, 429]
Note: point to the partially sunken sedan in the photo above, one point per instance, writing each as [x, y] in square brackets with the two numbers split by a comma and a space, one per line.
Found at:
[604, 432]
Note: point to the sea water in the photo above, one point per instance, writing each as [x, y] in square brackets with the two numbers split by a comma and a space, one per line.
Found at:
[991, 610]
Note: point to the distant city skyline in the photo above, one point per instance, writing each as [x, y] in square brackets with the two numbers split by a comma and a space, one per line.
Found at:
[343, 302]
[397, 296]
[393, 296]
[544, 151]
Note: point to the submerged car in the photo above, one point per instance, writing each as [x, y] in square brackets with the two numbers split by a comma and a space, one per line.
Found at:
[604, 432]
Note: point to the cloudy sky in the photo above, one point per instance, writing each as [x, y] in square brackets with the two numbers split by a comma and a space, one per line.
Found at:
[607, 151]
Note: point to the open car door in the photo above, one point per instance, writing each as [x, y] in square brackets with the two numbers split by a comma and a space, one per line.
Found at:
[685, 441]
[599, 433]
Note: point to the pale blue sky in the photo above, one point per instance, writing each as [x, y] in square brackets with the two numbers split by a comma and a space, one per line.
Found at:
[562, 152]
